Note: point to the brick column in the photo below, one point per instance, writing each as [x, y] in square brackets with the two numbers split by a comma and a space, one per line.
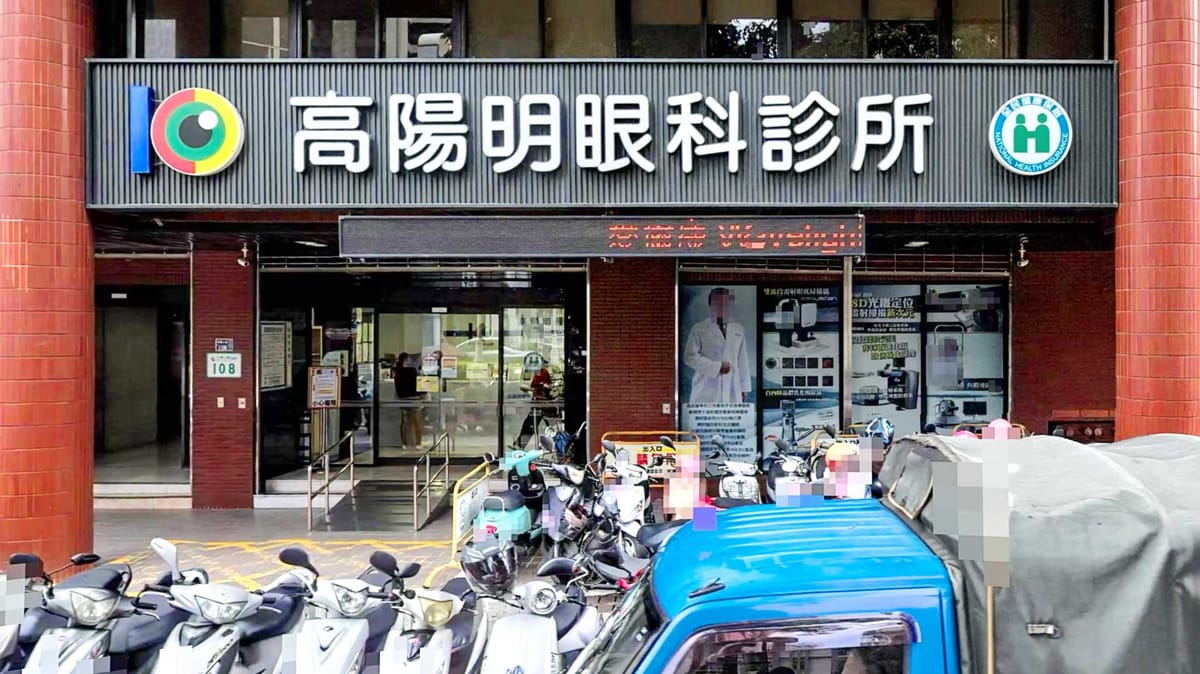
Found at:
[47, 325]
[222, 437]
[631, 354]
[1158, 222]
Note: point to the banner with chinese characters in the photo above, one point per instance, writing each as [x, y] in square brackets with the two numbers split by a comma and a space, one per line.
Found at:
[885, 357]
[801, 363]
[474, 134]
[718, 375]
[965, 368]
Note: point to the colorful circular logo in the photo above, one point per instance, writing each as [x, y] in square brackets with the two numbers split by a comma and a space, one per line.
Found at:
[197, 132]
[1030, 134]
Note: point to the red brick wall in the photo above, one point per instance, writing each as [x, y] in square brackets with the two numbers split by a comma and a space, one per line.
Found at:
[631, 354]
[143, 271]
[222, 438]
[1063, 336]
[47, 321]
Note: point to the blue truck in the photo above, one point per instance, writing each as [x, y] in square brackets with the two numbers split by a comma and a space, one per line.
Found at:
[1098, 571]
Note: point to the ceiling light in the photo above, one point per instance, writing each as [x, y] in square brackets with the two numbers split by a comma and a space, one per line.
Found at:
[916, 244]
[311, 244]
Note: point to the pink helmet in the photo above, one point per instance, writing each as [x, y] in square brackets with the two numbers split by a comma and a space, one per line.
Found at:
[964, 434]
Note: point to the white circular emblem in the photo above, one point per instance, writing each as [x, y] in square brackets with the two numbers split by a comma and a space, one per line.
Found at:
[1031, 134]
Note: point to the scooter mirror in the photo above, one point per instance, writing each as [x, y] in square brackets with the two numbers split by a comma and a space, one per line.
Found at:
[781, 445]
[609, 445]
[384, 562]
[666, 442]
[34, 568]
[831, 430]
[488, 457]
[408, 570]
[546, 444]
[167, 552]
[85, 558]
[297, 557]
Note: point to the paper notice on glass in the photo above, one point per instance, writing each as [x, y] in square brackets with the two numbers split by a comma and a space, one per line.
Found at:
[275, 355]
[324, 387]
[449, 367]
[427, 384]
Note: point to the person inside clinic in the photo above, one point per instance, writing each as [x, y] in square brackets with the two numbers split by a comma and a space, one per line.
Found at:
[716, 353]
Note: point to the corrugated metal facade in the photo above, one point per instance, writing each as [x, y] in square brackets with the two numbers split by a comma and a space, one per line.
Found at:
[960, 169]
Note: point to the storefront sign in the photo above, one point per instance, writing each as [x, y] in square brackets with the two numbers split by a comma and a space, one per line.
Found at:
[324, 387]
[401, 236]
[224, 365]
[275, 355]
[556, 133]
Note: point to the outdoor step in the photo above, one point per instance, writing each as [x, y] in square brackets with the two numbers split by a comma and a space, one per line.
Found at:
[107, 490]
[142, 503]
[300, 486]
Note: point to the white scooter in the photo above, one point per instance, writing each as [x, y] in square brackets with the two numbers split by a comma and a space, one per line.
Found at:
[232, 630]
[530, 641]
[629, 500]
[740, 480]
[429, 628]
[786, 468]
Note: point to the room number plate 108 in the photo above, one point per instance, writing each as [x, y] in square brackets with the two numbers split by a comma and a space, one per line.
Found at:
[224, 365]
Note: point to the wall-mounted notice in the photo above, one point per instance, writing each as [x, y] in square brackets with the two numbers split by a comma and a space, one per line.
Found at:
[275, 355]
[718, 381]
[886, 355]
[324, 387]
[964, 360]
[801, 363]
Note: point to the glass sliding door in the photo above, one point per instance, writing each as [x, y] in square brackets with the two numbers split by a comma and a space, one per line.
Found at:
[438, 373]
[534, 363]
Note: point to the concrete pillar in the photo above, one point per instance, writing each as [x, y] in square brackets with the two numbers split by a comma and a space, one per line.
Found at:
[1158, 222]
[47, 324]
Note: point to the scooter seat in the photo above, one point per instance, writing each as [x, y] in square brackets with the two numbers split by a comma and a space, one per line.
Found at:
[379, 622]
[459, 587]
[375, 578]
[462, 630]
[727, 503]
[612, 573]
[507, 500]
[653, 535]
[111, 578]
[267, 623]
[140, 632]
[565, 617]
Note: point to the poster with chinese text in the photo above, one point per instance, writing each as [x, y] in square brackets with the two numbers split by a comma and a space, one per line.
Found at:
[965, 327]
[885, 356]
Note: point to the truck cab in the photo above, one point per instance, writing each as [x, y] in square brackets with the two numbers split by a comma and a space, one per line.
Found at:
[842, 587]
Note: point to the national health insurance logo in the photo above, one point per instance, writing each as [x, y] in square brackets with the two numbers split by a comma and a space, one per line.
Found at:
[196, 132]
[1031, 134]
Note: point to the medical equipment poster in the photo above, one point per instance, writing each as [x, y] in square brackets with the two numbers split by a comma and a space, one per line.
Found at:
[718, 378]
[964, 354]
[800, 362]
[885, 356]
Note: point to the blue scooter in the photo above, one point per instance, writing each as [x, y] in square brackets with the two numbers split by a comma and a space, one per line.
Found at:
[516, 513]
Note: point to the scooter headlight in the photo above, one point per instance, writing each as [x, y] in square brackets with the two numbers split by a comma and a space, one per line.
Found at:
[350, 602]
[543, 601]
[92, 607]
[217, 613]
[437, 613]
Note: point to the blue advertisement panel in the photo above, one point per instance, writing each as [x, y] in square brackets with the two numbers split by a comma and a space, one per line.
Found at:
[885, 356]
[718, 379]
[801, 361]
[965, 327]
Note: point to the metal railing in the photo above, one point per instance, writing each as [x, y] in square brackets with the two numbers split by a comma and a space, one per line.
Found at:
[445, 442]
[473, 485]
[328, 481]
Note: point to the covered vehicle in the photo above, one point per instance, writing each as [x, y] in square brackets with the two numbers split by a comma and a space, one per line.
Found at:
[1102, 572]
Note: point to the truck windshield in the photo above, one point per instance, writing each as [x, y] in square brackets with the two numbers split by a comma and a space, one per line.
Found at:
[626, 634]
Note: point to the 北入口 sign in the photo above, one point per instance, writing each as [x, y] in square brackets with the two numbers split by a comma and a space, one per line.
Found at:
[488, 134]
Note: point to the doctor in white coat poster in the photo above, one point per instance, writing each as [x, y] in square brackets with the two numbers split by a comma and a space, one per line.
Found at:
[716, 352]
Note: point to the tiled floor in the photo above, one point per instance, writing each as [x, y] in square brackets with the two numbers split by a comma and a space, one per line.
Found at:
[154, 463]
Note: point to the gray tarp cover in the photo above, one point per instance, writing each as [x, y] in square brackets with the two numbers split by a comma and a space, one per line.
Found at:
[1105, 545]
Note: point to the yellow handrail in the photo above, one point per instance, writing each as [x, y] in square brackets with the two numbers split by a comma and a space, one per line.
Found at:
[457, 540]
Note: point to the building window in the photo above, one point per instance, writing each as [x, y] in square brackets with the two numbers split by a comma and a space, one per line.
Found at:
[1064, 29]
[666, 29]
[742, 29]
[902, 29]
[504, 28]
[417, 29]
[343, 29]
[581, 28]
[175, 29]
[256, 28]
[978, 30]
[827, 29]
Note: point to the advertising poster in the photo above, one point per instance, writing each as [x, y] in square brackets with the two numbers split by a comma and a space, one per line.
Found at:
[964, 354]
[885, 358]
[800, 360]
[718, 375]
[275, 355]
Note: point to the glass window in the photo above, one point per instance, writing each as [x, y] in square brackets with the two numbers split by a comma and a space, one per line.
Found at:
[255, 28]
[827, 29]
[417, 29]
[666, 29]
[978, 31]
[344, 29]
[875, 644]
[902, 29]
[504, 29]
[581, 28]
[176, 29]
[742, 29]
[1064, 29]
